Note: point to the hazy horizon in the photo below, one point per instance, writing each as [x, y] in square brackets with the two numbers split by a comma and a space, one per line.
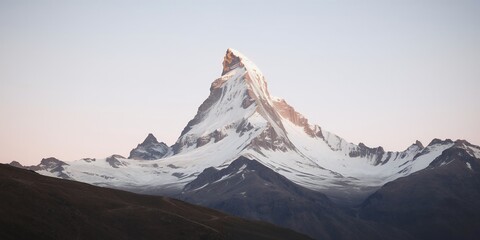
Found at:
[90, 79]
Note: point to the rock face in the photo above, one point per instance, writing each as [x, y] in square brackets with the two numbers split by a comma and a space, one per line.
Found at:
[149, 149]
[288, 112]
[115, 161]
[49, 165]
[439, 202]
[231, 61]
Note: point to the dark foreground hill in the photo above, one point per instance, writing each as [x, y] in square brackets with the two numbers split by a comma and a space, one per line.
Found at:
[38, 207]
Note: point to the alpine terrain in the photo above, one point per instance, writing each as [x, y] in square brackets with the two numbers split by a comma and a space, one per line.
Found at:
[251, 154]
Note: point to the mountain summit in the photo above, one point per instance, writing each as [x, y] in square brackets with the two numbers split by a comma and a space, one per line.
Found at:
[241, 118]
[150, 139]
[150, 149]
[232, 60]
[239, 104]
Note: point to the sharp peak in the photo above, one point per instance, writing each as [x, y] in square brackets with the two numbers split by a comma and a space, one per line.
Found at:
[418, 144]
[234, 59]
[150, 139]
[235, 53]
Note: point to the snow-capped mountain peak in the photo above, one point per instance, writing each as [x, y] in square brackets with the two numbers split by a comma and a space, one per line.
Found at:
[239, 104]
[241, 118]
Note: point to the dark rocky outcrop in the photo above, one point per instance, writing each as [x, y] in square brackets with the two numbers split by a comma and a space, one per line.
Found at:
[115, 161]
[50, 164]
[149, 149]
[230, 61]
[363, 151]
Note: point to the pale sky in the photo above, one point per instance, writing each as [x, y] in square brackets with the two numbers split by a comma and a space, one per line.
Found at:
[93, 78]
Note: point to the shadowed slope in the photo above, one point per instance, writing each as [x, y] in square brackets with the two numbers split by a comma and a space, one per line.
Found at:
[440, 202]
[246, 188]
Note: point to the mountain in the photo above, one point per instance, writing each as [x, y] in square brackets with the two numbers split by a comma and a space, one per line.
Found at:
[439, 202]
[312, 175]
[246, 188]
[150, 149]
[38, 207]
[241, 118]
[50, 166]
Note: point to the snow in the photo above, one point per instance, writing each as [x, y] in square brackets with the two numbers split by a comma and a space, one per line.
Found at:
[224, 178]
[424, 160]
[240, 170]
[476, 151]
[469, 166]
[248, 64]
[196, 189]
[316, 163]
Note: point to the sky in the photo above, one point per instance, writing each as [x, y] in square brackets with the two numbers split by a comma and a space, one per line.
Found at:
[93, 78]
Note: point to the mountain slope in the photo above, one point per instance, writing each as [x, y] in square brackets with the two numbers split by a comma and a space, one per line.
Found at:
[248, 189]
[439, 202]
[38, 207]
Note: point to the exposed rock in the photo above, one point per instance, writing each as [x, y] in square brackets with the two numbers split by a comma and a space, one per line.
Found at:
[270, 140]
[149, 149]
[244, 127]
[248, 100]
[50, 164]
[436, 141]
[89, 159]
[149, 140]
[216, 135]
[201, 141]
[288, 112]
[230, 61]
[418, 144]
[114, 162]
[376, 154]
[16, 164]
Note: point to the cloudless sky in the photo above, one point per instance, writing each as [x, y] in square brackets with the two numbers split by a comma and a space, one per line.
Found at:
[93, 78]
